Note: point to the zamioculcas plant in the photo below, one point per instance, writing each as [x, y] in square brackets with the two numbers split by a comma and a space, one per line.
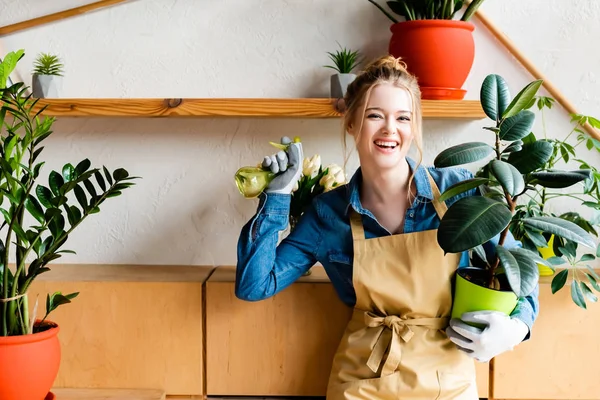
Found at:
[38, 217]
[515, 166]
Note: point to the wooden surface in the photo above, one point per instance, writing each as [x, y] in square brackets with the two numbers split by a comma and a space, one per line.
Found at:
[108, 394]
[145, 335]
[46, 19]
[281, 346]
[232, 107]
[558, 361]
[126, 273]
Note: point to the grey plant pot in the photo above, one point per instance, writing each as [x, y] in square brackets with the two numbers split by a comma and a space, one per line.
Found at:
[339, 84]
[46, 86]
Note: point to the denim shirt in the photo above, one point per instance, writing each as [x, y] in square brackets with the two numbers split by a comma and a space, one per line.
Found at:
[323, 235]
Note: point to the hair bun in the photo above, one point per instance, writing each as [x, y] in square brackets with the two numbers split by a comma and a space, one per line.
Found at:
[387, 62]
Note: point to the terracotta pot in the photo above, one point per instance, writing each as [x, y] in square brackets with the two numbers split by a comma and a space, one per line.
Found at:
[439, 52]
[29, 365]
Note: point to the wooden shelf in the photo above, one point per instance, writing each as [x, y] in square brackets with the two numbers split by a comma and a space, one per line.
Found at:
[234, 107]
[107, 394]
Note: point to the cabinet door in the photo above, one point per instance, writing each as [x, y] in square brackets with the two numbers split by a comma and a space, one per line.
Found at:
[558, 361]
[282, 346]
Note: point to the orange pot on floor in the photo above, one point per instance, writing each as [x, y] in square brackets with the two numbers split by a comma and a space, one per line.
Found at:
[439, 52]
[29, 365]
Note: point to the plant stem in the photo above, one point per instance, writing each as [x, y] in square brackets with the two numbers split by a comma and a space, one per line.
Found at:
[394, 20]
[543, 201]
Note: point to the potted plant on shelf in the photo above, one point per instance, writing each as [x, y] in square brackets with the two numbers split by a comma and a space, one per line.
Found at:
[558, 250]
[344, 61]
[47, 76]
[38, 220]
[500, 277]
[438, 48]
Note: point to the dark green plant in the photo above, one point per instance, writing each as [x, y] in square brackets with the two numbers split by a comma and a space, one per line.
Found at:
[53, 212]
[48, 64]
[589, 196]
[344, 60]
[515, 169]
[412, 10]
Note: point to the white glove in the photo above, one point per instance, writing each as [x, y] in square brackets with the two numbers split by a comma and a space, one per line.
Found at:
[290, 163]
[501, 333]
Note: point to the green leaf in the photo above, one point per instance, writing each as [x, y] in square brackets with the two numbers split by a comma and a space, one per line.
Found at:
[588, 292]
[593, 282]
[521, 270]
[509, 177]
[463, 154]
[461, 187]
[34, 208]
[559, 179]
[532, 156]
[559, 280]
[73, 214]
[55, 181]
[15, 227]
[107, 175]
[81, 198]
[100, 180]
[44, 195]
[82, 167]
[577, 295]
[522, 99]
[517, 127]
[514, 146]
[537, 238]
[494, 96]
[68, 172]
[472, 221]
[57, 225]
[554, 260]
[562, 228]
[534, 256]
[113, 194]
[120, 174]
[587, 257]
[91, 189]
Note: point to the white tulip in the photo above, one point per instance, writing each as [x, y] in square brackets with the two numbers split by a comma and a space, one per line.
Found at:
[310, 166]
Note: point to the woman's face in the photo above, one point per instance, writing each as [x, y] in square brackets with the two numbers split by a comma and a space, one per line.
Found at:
[386, 134]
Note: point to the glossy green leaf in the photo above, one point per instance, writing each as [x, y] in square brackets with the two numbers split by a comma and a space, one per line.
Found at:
[562, 228]
[463, 154]
[120, 174]
[44, 195]
[593, 282]
[56, 181]
[532, 156]
[494, 96]
[517, 145]
[107, 175]
[68, 172]
[472, 221]
[559, 280]
[100, 180]
[577, 294]
[511, 268]
[528, 271]
[509, 177]
[559, 179]
[461, 187]
[34, 208]
[82, 167]
[522, 99]
[81, 197]
[517, 127]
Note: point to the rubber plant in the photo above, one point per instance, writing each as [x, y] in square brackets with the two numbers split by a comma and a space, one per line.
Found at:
[54, 209]
[512, 165]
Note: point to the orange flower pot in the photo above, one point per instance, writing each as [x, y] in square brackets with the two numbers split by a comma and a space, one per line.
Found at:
[439, 52]
[29, 365]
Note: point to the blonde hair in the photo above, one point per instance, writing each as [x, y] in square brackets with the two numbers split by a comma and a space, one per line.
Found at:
[386, 69]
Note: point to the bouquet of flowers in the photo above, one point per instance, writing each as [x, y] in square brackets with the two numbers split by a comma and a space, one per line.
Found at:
[313, 181]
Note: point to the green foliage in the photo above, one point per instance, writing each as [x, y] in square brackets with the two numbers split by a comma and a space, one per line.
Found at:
[48, 64]
[520, 165]
[412, 10]
[55, 207]
[344, 60]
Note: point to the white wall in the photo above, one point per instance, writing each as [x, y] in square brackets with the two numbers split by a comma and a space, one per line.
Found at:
[182, 213]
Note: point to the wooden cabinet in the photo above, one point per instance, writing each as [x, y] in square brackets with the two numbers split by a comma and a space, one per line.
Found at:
[282, 346]
[558, 362]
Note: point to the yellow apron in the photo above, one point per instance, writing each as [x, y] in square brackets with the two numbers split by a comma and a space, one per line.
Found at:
[394, 346]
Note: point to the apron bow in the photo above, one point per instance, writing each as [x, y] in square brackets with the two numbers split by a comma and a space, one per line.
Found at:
[400, 329]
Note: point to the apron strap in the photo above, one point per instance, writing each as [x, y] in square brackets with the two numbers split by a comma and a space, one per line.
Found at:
[440, 206]
[358, 231]
[400, 330]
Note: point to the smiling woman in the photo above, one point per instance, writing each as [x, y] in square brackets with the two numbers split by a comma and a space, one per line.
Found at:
[376, 239]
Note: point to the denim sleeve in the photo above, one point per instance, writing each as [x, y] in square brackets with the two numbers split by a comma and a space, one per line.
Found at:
[264, 268]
